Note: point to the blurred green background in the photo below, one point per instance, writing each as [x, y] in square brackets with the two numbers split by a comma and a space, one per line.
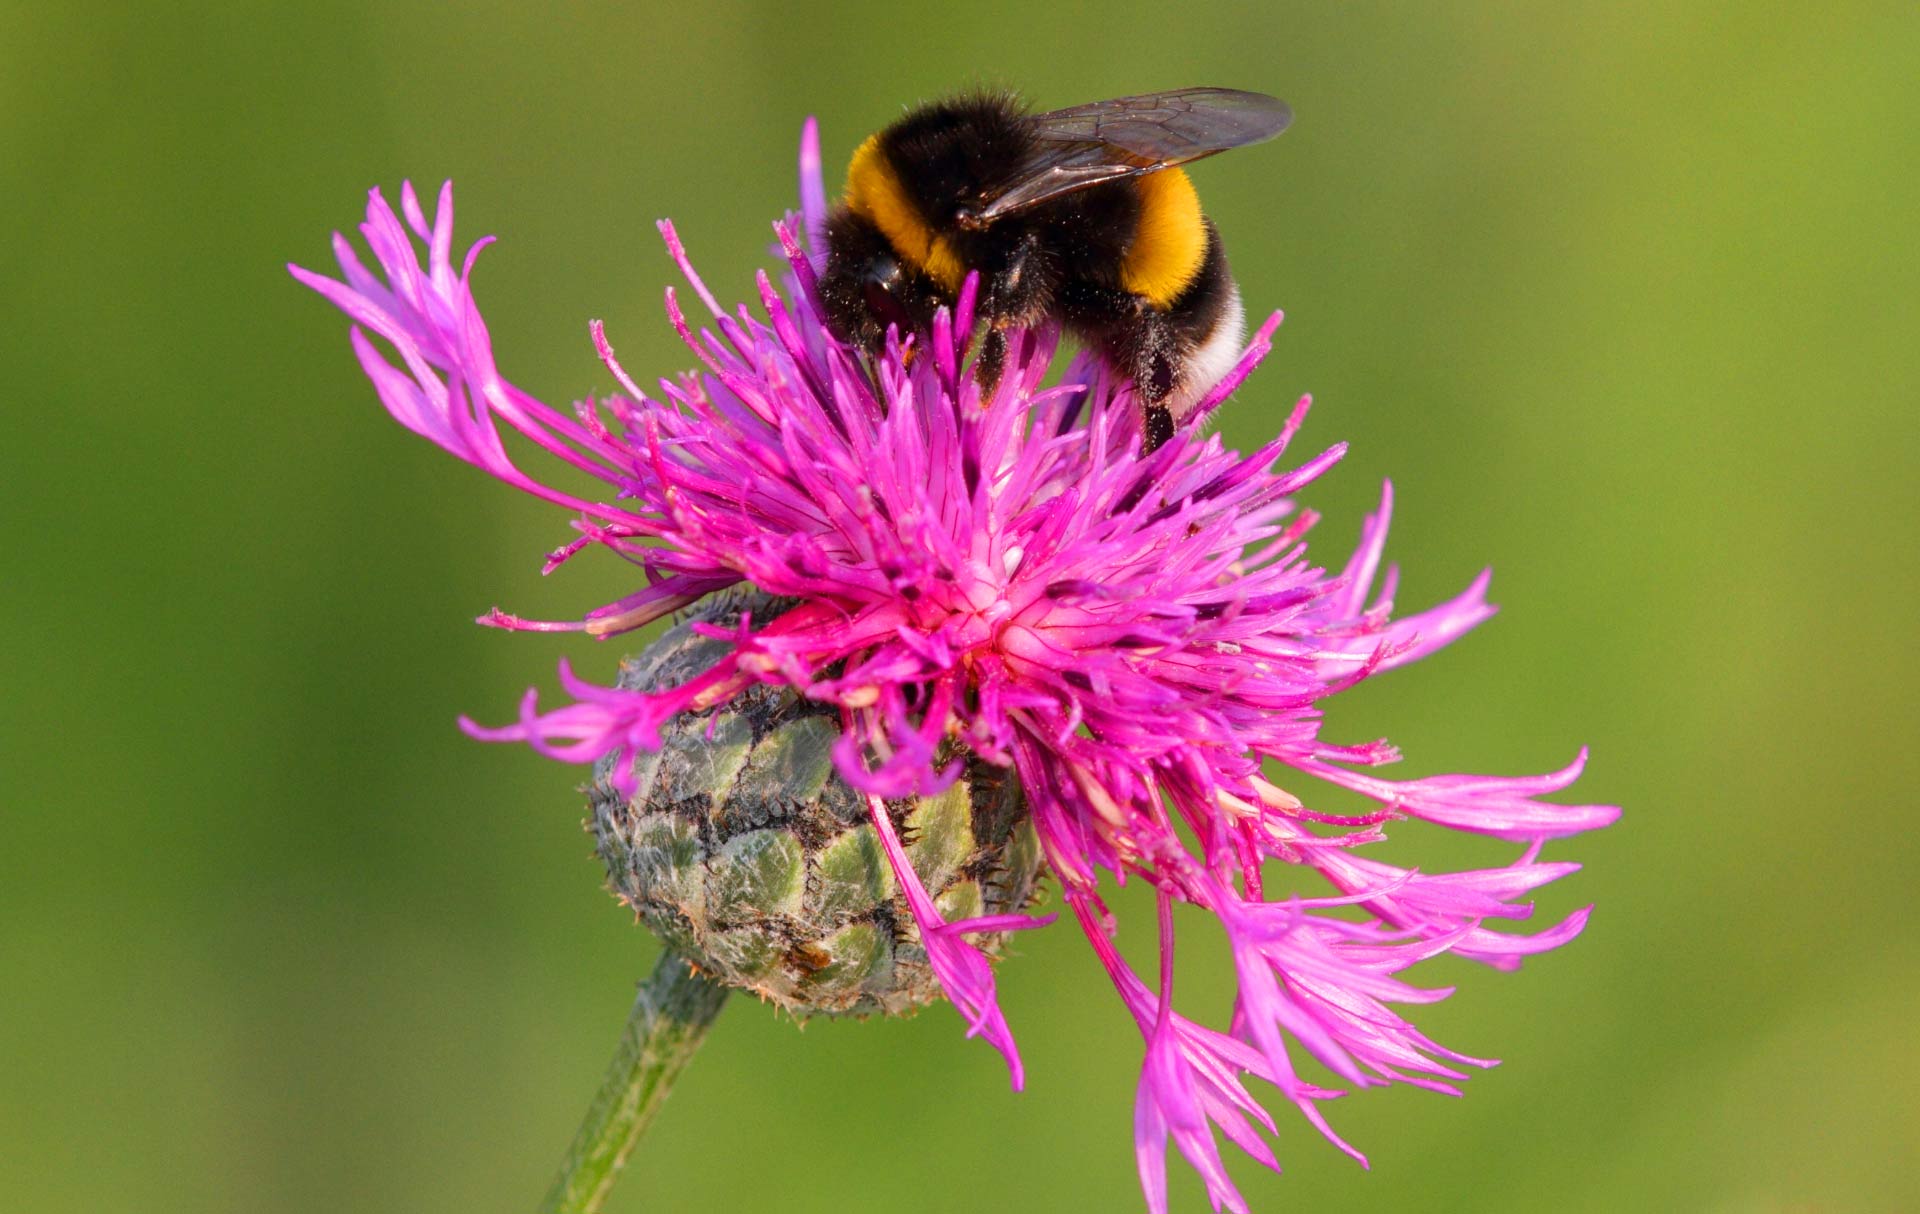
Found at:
[1622, 297]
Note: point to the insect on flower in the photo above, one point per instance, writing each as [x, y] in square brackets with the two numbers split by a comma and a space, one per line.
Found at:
[1080, 215]
[932, 585]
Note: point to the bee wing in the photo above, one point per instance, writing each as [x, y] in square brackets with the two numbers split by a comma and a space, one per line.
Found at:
[1172, 127]
[1085, 145]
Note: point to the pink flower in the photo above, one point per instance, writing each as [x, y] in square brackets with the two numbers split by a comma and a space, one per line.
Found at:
[1137, 635]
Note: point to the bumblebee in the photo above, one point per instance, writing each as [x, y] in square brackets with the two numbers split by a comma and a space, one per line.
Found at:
[1080, 215]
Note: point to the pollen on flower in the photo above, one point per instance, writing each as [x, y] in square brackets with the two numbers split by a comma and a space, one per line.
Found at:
[950, 582]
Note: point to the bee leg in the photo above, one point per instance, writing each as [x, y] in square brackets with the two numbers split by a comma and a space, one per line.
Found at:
[1156, 427]
[1153, 384]
[992, 359]
[1137, 340]
[1019, 293]
[1143, 345]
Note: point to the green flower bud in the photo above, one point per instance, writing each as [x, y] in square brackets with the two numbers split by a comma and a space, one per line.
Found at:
[750, 856]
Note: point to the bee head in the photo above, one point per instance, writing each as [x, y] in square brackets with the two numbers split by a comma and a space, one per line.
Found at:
[879, 291]
[867, 286]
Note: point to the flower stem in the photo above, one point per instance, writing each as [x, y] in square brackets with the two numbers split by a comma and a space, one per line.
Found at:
[676, 1006]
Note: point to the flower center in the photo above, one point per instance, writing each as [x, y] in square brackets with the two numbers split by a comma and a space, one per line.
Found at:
[980, 628]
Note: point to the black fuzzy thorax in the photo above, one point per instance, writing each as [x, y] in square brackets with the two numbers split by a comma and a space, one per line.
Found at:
[955, 155]
[957, 152]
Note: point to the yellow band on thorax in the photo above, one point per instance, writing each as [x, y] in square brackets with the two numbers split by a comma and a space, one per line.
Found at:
[875, 194]
[1170, 244]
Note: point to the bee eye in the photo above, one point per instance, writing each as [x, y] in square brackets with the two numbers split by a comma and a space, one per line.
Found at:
[877, 289]
[883, 272]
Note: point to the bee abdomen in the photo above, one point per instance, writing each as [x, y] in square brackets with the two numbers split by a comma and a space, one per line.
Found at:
[1171, 239]
[1209, 325]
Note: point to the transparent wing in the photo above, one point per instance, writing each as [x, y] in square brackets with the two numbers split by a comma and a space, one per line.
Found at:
[1085, 145]
[1172, 127]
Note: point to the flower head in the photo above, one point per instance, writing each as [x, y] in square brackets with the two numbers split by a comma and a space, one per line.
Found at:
[1141, 637]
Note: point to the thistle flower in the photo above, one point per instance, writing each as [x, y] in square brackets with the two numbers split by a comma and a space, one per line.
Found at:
[948, 583]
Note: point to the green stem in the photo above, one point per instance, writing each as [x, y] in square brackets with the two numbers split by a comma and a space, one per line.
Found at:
[677, 1005]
